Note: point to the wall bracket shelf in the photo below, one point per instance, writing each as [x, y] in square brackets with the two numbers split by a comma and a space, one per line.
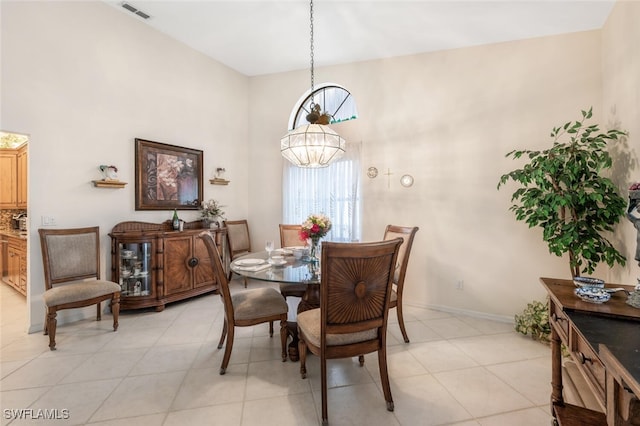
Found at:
[108, 184]
[218, 181]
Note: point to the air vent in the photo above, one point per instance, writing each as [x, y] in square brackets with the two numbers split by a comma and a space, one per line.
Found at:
[135, 10]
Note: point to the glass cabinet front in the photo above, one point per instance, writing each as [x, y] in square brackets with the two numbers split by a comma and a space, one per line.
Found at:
[135, 266]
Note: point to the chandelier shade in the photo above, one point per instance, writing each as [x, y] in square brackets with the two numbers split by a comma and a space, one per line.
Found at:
[312, 146]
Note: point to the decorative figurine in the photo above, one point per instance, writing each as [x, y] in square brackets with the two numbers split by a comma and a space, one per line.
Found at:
[109, 172]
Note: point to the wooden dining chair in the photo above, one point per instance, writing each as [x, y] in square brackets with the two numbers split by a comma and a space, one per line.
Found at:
[71, 260]
[407, 234]
[290, 237]
[245, 308]
[238, 240]
[355, 288]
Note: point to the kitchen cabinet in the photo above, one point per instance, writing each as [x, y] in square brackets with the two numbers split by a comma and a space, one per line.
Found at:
[8, 178]
[156, 265]
[13, 178]
[21, 160]
[17, 264]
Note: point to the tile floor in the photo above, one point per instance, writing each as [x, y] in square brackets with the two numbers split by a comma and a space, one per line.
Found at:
[161, 368]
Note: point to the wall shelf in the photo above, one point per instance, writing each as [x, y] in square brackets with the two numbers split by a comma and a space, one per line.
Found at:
[108, 184]
[218, 181]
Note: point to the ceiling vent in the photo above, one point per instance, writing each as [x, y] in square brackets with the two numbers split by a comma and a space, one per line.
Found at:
[135, 10]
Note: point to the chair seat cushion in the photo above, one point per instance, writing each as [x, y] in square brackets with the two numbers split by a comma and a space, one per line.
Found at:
[309, 324]
[257, 303]
[78, 290]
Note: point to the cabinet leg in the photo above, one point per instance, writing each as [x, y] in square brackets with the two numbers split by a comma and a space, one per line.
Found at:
[159, 308]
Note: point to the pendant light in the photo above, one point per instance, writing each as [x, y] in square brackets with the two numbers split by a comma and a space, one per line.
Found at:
[315, 144]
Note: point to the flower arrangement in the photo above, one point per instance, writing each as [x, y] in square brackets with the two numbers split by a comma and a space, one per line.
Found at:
[212, 210]
[315, 227]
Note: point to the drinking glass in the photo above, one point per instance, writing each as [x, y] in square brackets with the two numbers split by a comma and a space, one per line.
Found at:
[269, 247]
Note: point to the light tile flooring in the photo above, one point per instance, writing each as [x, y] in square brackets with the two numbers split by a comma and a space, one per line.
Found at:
[161, 368]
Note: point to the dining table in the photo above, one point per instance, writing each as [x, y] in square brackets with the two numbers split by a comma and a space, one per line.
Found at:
[282, 266]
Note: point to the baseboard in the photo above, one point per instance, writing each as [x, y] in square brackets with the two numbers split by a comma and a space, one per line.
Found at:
[469, 313]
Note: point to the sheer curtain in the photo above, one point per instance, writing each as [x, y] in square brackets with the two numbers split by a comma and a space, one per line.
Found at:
[333, 191]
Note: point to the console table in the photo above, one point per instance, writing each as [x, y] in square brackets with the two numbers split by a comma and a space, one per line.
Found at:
[604, 341]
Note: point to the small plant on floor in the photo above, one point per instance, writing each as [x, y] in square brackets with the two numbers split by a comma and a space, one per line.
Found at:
[534, 321]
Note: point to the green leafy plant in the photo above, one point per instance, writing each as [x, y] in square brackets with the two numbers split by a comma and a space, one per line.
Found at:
[534, 321]
[563, 192]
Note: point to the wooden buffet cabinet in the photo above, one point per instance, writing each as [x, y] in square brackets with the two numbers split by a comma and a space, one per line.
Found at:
[604, 342]
[156, 265]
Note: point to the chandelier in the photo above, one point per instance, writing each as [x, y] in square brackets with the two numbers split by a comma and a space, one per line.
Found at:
[315, 144]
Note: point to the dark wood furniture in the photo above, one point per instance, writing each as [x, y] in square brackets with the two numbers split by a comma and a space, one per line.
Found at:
[238, 240]
[245, 308]
[156, 265]
[585, 328]
[295, 272]
[355, 288]
[290, 237]
[71, 260]
[407, 233]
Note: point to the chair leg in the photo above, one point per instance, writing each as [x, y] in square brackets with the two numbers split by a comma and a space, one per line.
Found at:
[284, 334]
[361, 360]
[224, 334]
[227, 351]
[98, 312]
[302, 353]
[323, 379]
[46, 322]
[401, 320]
[270, 328]
[51, 328]
[384, 377]
[115, 310]
[245, 282]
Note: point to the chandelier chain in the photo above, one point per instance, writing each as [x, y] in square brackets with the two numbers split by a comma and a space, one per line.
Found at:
[311, 32]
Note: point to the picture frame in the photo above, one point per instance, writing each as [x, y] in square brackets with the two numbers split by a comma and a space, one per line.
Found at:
[167, 176]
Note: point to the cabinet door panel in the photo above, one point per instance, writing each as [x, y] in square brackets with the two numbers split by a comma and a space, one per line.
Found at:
[177, 272]
[203, 271]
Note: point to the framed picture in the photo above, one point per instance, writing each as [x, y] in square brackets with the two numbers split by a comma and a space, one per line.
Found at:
[167, 176]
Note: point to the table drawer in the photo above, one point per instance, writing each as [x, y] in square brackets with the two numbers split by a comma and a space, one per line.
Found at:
[589, 364]
[559, 321]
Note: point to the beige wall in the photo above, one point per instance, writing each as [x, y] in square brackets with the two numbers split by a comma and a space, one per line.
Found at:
[621, 107]
[448, 119]
[83, 80]
[92, 78]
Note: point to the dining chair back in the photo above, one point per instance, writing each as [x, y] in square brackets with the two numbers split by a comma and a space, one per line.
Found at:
[71, 260]
[245, 308]
[355, 288]
[238, 240]
[407, 233]
[290, 237]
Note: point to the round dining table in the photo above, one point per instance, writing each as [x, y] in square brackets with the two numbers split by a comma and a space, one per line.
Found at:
[282, 267]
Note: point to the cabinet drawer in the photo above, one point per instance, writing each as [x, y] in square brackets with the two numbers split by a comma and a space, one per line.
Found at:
[559, 321]
[589, 364]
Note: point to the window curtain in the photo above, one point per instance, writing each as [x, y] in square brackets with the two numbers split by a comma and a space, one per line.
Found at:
[333, 191]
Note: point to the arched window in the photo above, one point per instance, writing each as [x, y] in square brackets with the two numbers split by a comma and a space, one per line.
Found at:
[333, 190]
[334, 99]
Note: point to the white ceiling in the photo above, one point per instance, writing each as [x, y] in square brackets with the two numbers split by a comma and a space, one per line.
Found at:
[265, 36]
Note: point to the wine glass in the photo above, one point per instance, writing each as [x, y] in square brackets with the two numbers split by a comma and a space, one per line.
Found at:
[269, 247]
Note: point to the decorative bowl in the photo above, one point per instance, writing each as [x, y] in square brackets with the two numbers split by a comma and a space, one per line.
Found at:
[593, 294]
[588, 282]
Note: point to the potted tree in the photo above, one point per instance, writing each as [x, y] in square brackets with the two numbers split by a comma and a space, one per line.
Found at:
[563, 191]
